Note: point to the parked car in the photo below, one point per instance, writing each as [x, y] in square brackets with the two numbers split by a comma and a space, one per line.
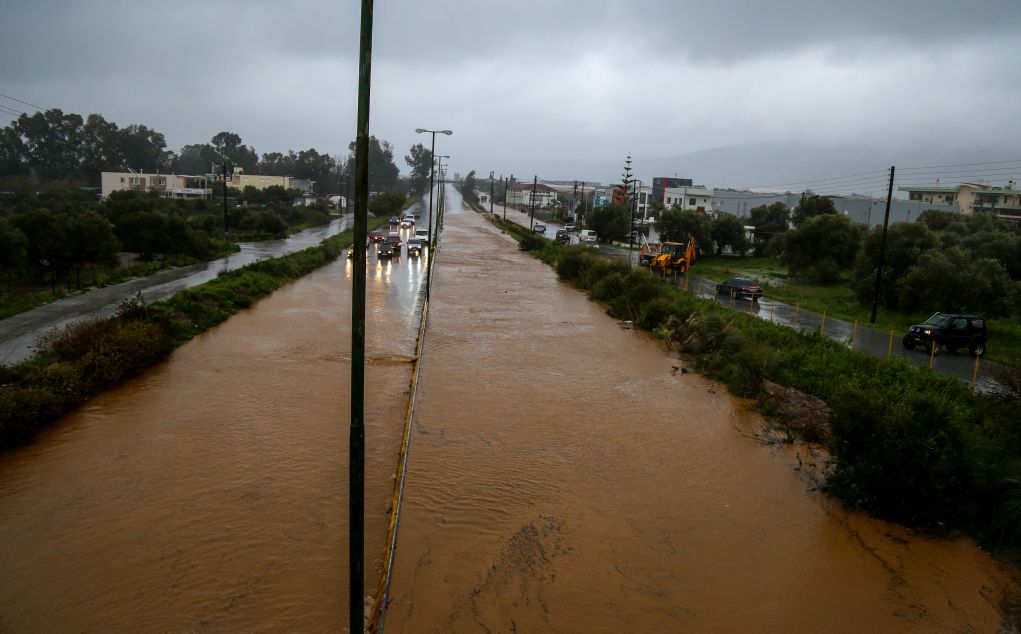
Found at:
[563, 236]
[540, 229]
[393, 238]
[569, 226]
[407, 223]
[387, 250]
[395, 220]
[414, 247]
[423, 235]
[587, 235]
[376, 236]
[741, 288]
[951, 331]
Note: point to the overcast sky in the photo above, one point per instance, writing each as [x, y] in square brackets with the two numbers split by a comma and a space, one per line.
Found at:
[554, 86]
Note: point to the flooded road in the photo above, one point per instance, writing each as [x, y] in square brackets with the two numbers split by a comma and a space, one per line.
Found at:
[564, 476]
[19, 332]
[210, 494]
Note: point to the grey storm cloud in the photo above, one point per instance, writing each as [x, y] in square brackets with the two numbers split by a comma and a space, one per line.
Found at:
[530, 82]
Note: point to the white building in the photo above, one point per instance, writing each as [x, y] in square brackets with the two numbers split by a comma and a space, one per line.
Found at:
[521, 194]
[166, 185]
[695, 197]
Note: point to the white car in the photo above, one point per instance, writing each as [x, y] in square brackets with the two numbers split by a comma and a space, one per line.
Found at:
[407, 222]
[423, 235]
[587, 235]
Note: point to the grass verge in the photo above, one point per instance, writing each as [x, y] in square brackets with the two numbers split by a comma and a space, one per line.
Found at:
[94, 355]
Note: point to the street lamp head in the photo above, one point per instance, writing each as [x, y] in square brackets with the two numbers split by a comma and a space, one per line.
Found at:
[447, 132]
[420, 130]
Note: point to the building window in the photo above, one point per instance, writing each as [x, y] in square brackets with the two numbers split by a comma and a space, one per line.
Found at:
[691, 201]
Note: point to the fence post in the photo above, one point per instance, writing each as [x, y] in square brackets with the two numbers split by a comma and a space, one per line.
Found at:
[889, 347]
[854, 333]
[974, 373]
[731, 298]
[771, 312]
[932, 354]
[822, 325]
[796, 312]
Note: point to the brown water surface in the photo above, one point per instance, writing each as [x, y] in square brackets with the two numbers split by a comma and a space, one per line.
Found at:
[564, 477]
[210, 494]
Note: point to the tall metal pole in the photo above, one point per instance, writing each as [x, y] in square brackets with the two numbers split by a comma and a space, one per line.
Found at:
[531, 206]
[225, 201]
[490, 191]
[882, 249]
[505, 200]
[356, 440]
[432, 248]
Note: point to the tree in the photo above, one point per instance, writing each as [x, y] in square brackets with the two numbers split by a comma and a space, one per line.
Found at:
[196, 159]
[812, 206]
[954, 281]
[675, 225]
[610, 222]
[728, 231]
[13, 250]
[387, 203]
[420, 160]
[938, 220]
[822, 248]
[769, 222]
[143, 149]
[382, 171]
[90, 240]
[467, 187]
[228, 147]
[905, 243]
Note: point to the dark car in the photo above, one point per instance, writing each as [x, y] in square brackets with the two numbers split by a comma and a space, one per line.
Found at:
[539, 229]
[395, 220]
[740, 288]
[563, 236]
[386, 250]
[393, 238]
[951, 331]
[376, 236]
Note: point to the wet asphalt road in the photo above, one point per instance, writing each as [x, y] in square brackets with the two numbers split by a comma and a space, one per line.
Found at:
[19, 333]
[860, 337]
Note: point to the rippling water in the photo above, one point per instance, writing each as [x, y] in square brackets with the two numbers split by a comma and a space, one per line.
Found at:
[564, 477]
[210, 494]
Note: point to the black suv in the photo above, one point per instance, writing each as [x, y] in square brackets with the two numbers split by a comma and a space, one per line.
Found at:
[950, 331]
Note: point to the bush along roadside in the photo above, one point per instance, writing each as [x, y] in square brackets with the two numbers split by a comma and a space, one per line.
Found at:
[907, 444]
[90, 356]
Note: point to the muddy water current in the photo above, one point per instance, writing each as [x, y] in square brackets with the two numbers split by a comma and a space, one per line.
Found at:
[210, 494]
[565, 476]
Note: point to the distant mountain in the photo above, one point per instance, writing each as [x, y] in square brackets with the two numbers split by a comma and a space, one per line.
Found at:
[795, 166]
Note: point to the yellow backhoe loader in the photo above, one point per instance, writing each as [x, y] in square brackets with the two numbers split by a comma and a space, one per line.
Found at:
[675, 257]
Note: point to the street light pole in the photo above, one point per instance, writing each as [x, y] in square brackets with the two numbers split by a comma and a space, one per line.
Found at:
[432, 154]
[490, 192]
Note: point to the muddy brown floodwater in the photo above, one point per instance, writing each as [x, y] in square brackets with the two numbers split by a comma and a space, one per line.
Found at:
[210, 494]
[563, 477]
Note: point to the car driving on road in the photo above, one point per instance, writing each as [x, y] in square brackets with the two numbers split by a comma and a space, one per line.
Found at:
[414, 247]
[563, 236]
[423, 235]
[386, 250]
[740, 288]
[949, 331]
[540, 229]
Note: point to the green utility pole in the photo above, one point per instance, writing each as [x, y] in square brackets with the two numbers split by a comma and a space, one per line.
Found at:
[356, 438]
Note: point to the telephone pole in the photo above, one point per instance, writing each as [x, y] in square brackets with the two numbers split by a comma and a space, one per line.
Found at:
[531, 206]
[882, 249]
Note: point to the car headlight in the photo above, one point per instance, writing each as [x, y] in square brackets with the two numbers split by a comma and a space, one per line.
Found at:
[928, 332]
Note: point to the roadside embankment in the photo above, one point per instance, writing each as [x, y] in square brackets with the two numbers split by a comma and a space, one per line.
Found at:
[74, 364]
[908, 444]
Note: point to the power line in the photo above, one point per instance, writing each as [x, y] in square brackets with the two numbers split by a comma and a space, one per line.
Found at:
[24, 102]
[962, 165]
[11, 111]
